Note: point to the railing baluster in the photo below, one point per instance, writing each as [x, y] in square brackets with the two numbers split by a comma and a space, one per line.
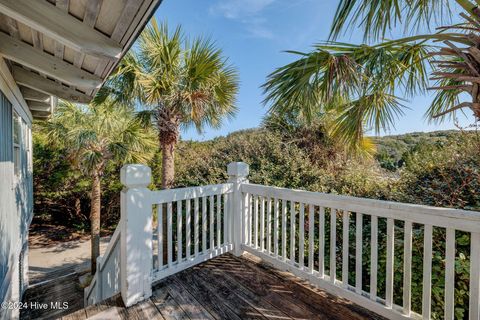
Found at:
[284, 230]
[255, 222]
[358, 253]
[333, 245]
[311, 225]
[160, 235]
[374, 258]
[187, 228]
[301, 237]
[219, 220]
[450, 275]
[345, 247]
[474, 304]
[427, 272]
[407, 269]
[292, 232]
[204, 224]
[211, 228]
[275, 227]
[262, 224]
[169, 234]
[390, 257]
[321, 242]
[179, 231]
[225, 219]
[269, 225]
[196, 226]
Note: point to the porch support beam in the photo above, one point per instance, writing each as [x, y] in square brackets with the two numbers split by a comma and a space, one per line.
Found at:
[34, 95]
[39, 83]
[62, 27]
[39, 106]
[43, 62]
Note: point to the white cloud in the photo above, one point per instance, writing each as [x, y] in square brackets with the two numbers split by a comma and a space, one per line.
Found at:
[247, 12]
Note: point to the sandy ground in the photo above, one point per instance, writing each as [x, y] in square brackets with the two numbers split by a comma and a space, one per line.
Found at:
[70, 254]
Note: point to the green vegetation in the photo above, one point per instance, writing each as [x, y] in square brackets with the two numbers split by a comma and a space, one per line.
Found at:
[91, 139]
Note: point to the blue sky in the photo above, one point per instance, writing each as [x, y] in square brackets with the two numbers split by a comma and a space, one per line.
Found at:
[254, 34]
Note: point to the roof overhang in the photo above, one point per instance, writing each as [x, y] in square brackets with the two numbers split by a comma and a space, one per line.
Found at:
[67, 48]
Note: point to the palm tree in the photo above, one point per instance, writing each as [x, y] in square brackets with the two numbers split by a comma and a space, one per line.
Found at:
[95, 137]
[179, 83]
[365, 86]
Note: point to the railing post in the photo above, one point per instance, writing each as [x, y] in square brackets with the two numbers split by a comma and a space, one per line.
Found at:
[136, 253]
[237, 174]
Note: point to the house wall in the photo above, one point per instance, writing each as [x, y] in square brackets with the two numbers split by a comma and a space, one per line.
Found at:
[16, 191]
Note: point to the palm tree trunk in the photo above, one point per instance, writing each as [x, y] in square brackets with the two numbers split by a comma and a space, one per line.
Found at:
[95, 221]
[168, 164]
[168, 129]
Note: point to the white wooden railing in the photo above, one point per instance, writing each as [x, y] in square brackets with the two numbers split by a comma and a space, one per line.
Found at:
[289, 228]
[201, 218]
[351, 247]
[106, 281]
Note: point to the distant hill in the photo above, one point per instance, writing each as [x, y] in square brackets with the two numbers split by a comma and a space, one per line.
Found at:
[391, 149]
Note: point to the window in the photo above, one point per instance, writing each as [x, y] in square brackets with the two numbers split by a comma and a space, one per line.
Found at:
[17, 138]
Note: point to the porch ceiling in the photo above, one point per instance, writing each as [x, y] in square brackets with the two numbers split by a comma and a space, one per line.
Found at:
[66, 49]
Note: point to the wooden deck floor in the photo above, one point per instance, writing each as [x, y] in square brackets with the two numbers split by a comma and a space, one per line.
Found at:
[228, 287]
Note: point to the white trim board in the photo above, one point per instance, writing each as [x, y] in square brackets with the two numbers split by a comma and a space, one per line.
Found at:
[10, 89]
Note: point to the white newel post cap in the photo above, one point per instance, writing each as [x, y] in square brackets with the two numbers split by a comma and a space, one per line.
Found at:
[238, 169]
[135, 176]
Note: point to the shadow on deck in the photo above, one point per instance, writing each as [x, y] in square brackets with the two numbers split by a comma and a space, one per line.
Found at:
[228, 287]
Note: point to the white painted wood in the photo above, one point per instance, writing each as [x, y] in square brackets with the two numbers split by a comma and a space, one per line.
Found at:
[211, 227]
[196, 226]
[284, 230]
[333, 245]
[407, 269]
[136, 263]
[202, 257]
[373, 258]
[190, 193]
[179, 231]
[269, 225]
[345, 247]
[301, 237]
[292, 232]
[33, 95]
[311, 236]
[45, 63]
[204, 224]
[390, 257]
[262, 223]
[427, 272]
[275, 227]
[255, 222]
[39, 83]
[188, 236]
[444, 217]
[219, 220]
[160, 235]
[12, 92]
[358, 252]
[237, 173]
[474, 302]
[226, 217]
[450, 275]
[169, 234]
[53, 21]
[321, 242]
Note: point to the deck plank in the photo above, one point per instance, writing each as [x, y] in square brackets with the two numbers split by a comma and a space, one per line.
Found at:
[187, 302]
[209, 302]
[226, 287]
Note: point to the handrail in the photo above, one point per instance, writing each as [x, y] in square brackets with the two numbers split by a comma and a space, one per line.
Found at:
[444, 217]
[111, 245]
[170, 195]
